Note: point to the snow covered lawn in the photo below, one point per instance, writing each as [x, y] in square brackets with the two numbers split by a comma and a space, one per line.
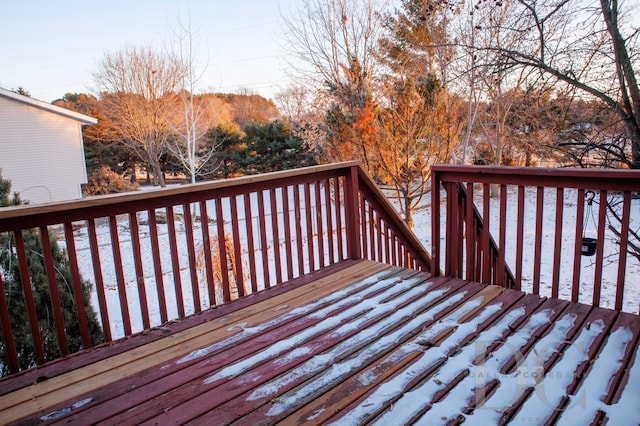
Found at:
[422, 229]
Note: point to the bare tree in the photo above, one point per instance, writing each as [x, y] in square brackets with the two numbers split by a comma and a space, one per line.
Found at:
[324, 37]
[467, 76]
[294, 103]
[585, 46]
[298, 106]
[190, 120]
[333, 44]
[138, 88]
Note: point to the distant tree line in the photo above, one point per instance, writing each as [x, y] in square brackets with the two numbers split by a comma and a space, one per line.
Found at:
[242, 136]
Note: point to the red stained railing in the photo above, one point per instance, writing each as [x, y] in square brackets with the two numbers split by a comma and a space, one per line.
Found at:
[540, 218]
[154, 256]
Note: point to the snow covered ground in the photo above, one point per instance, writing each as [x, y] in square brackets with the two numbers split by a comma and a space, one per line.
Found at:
[422, 228]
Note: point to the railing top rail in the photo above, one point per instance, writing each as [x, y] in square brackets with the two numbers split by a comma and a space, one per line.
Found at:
[112, 204]
[611, 179]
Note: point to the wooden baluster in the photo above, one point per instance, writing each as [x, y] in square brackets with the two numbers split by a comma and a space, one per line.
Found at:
[139, 271]
[319, 226]
[222, 252]
[519, 237]
[501, 275]
[56, 305]
[250, 245]
[76, 283]
[337, 189]
[237, 247]
[577, 254]
[97, 272]
[287, 231]
[557, 249]
[329, 213]
[117, 262]
[622, 256]
[263, 240]
[470, 227]
[597, 279]
[310, 237]
[486, 237]
[7, 333]
[191, 253]
[175, 261]
[537, 257]
[352, 215]
[435, 223]
[378, 222]
[157, 264]
[371, 229]
[206, 251]
[275, 226]
[298, 219]
[363, 227]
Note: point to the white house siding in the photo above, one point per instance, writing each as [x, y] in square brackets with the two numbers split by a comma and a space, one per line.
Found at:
[41, 153]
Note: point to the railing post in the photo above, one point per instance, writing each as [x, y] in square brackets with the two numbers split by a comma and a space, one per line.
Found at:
[352, 215]
[435, 223]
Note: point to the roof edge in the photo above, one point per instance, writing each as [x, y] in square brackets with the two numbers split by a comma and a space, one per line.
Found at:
[84, 119]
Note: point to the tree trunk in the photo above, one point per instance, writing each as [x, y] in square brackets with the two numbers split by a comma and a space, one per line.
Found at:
[158, 176]
[627, 80]
[408, 212]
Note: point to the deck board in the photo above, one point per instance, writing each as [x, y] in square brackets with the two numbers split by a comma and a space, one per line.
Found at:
[367, 343]
[55, 391]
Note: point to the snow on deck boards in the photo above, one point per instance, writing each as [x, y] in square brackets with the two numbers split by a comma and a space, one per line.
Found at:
[367, 344]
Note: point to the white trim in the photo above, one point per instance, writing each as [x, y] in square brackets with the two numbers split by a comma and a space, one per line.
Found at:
[84, 119]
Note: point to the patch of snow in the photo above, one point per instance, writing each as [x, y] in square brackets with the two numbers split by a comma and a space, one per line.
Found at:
[333, 301]
[316, 414]
[291, 356]
[370, 335]
[429, 358]
[584, 405]
[338, 371]
[627, 410]
[62, 412]
[358, 312]
[238, 326]
[548, 392]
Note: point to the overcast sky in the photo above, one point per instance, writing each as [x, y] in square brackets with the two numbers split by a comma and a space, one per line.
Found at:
[51, 47]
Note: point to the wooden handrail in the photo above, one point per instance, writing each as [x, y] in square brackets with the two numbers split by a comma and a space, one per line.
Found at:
[154, 256]
[607, 179]
[99, 206]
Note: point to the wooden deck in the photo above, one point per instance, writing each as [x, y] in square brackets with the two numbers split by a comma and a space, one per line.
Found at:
[365, 342]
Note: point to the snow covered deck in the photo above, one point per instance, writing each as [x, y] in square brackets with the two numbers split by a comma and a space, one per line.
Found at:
[360, 342]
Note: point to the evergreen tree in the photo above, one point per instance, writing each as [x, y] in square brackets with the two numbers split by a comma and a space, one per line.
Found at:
[226, 142]
[271, 147]
[17, 304]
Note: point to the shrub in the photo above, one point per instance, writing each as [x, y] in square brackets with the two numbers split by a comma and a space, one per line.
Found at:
[106, 181]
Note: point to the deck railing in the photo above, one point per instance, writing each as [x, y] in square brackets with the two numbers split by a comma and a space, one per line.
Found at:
[565, 233]
[154, 256]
